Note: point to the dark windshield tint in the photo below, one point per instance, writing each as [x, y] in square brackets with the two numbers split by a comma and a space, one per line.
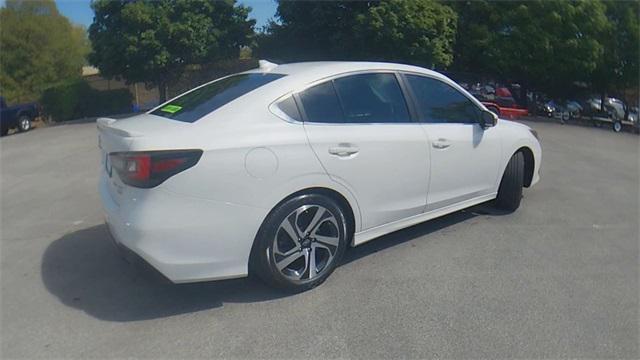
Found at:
[198, 103]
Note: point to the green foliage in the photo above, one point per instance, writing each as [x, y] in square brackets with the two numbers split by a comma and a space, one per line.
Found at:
[620, 65]
[76, 99]
[153, 41]
[38, 48]
[420, 32]
[417, 31]
[313, 30]
[546, 44]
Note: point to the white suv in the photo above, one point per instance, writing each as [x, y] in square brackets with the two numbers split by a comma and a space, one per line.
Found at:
[278, 170]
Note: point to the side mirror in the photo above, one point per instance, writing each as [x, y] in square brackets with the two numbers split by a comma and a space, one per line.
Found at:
[488, 119]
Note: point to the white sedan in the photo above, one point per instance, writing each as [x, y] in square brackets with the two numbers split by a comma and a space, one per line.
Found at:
[277, 170]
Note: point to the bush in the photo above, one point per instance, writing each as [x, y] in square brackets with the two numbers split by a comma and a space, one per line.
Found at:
[76, 99]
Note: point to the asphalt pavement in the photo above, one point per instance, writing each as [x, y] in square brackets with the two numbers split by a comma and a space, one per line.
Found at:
[559, 278]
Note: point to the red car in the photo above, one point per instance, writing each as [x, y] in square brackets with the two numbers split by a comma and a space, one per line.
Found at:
[510, 112]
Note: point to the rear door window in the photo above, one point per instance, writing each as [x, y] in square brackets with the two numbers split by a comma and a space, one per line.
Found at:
[372, 98]
[356, 99]
[194, 105]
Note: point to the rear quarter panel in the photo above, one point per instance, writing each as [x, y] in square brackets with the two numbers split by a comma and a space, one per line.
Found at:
[255, 160]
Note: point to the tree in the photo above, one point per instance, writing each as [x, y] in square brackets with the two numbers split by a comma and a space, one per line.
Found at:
[619, 68]
[38, 48]
[153, 41]
[415, 31]
[420, 32]
[312, 30]
[545, 44]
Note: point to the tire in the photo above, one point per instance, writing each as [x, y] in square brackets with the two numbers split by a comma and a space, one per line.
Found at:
[510, 190]
[4, 131]
[297, 265]
[24, 123]
[617, 126]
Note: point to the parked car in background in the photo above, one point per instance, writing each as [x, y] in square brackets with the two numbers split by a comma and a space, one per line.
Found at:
[275, 171]
[615, 112]
[564, 110]
[18, 116]
[505, 111]
[545, 108]
[633, 115]
[615, 107]
[497, 99]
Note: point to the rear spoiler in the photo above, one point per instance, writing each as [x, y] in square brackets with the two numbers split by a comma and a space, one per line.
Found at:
[104, 125]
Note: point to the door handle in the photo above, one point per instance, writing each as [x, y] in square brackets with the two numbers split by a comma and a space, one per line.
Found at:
[441, 144]
[343, 150]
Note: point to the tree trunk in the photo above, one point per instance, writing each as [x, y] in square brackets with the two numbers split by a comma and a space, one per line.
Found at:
[162, 90]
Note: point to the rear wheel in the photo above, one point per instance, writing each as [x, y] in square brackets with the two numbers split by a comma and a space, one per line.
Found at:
[300, 243]
[617, 126]
[510, 190]
[4, 131]
[24, 123]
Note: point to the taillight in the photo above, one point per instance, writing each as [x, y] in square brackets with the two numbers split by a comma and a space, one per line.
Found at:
[146, 169]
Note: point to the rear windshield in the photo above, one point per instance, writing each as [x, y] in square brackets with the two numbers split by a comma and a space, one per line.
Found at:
[192, 106]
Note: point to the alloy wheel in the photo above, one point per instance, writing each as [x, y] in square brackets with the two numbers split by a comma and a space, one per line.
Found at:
[306, 243]
[25, 124]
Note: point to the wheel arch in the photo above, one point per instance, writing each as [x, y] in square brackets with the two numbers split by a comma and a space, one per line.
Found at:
[24, 112]
[342, 201]
[529, 164]
[334, 195]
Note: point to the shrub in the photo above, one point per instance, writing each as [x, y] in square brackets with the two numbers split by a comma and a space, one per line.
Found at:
[76, 99]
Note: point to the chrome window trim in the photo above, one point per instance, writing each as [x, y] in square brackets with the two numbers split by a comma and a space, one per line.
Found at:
[274, 105]
[275, 110]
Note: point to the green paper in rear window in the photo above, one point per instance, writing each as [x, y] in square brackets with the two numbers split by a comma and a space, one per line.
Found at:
[194, 105]
[171, 109]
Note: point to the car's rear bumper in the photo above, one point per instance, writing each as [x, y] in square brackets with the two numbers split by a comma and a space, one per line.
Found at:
[186, 239]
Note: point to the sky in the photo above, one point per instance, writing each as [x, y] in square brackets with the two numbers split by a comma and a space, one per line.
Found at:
[79, 11]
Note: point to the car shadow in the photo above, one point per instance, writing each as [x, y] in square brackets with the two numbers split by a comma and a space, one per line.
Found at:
[87, 272]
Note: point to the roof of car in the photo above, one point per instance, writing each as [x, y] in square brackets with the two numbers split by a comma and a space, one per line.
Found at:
[301, 73]
[336, 67]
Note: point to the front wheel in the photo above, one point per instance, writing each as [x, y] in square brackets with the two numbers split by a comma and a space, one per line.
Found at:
[300, 243]
[510, 190]
[24, 123]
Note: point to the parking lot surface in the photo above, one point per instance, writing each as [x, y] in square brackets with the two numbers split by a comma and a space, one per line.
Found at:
[559, 278]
